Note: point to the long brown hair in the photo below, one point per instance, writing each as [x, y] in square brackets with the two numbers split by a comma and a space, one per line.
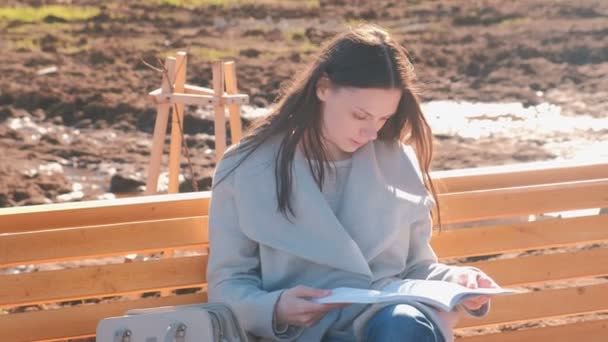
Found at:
[364, 57]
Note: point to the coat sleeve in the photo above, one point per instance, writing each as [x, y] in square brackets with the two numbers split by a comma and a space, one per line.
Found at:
[422, 262]
[233, 272]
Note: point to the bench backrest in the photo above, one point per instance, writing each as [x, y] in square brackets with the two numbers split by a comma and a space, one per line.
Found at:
[482, 211]
[504, 221]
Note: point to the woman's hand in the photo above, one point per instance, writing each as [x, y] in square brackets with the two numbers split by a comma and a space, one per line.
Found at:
[474, 279]
[293, 308]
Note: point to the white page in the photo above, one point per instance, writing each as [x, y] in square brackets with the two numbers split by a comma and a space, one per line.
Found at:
[441, 294]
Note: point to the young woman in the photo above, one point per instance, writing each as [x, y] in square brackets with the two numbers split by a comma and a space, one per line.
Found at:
[331, 190]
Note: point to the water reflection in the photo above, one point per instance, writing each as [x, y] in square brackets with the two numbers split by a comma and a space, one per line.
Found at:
[568, 137]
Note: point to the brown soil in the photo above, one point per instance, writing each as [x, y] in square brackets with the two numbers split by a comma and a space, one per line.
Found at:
[83, 130]
[97, 124]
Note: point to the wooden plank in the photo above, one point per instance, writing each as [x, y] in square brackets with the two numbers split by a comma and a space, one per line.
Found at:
[542, 305]
[520, 236]
[160, 128]
[103, 241]
[91, 213]
[467, 206]
[177, 124]
[219, 110]
[514, 175]
[544, 268]
[78, 321]
[160, 95]
[201, 100]
[100, 281]
[590, 331]
[192, 89]
[233, 109]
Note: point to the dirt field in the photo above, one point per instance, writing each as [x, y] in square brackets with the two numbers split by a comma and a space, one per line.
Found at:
[73, 115]
[74, 122]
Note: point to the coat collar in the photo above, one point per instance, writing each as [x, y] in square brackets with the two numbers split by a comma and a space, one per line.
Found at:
[371, 213]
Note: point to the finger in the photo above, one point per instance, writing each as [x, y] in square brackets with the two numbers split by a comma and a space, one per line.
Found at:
[307, 320]
[471, 281]
[336, 305]
[481, 299]
[315, 318]
[309, 292]
[476, 302]
[463, 278]
[472, 305]
[485, 281]
[306, 306]
[300, 321]
[321, 308]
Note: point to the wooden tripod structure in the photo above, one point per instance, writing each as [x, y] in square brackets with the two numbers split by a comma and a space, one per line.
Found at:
[174, 93]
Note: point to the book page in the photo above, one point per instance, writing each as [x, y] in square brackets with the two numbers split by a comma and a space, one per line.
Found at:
[441, 294]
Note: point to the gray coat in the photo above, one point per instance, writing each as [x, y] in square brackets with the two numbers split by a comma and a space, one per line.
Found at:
[380, 235]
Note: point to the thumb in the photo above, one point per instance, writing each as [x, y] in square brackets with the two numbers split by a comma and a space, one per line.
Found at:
[471, 281]
[304, 291]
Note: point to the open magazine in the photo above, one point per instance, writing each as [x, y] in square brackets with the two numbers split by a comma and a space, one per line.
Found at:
[440, 294]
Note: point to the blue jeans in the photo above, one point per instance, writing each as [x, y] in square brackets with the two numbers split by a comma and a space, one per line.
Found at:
[401, 322]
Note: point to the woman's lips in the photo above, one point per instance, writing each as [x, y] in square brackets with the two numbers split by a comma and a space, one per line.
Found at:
[356, 142]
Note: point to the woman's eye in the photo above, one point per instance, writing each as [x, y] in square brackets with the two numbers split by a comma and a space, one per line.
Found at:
[359, 117]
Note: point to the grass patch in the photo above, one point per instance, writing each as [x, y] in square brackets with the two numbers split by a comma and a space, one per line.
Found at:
[513, 22]
[24, 45]
[295, 36]
[27, 14]
[29, 29]
[231, 3]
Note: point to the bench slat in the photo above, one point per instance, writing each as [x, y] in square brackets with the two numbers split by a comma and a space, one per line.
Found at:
[590, 331]
[542, 305]
[467, 206]
[521, 236]
[78, 321]
[93, 213]
[102, 241]
[116, 279]
[544, 268]
[494, 177]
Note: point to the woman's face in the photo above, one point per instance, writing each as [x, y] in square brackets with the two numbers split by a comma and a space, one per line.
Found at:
[351, 116]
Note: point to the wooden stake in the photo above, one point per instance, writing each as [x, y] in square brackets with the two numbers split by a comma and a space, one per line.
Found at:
[220, 114]
[177, 127]
[177, 120]
[160, 129]
[234, 109]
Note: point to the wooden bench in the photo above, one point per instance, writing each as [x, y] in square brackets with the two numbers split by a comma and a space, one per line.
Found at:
[482, 212]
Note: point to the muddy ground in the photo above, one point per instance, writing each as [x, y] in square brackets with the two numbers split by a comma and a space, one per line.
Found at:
[75, 123]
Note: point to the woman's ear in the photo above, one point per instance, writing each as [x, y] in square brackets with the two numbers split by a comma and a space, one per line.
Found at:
[323, 87]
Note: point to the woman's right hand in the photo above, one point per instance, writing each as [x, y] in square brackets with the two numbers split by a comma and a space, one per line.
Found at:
[293, 308]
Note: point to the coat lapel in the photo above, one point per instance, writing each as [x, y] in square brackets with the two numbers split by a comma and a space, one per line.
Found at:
[374, 209]
[315, 234]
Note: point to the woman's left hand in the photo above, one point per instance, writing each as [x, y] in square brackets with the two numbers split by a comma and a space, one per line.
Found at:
[474, 279]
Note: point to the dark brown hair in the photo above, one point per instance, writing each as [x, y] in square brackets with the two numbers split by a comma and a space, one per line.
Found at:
[363, 57]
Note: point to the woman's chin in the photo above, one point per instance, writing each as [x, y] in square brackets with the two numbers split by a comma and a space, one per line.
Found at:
[349, 149]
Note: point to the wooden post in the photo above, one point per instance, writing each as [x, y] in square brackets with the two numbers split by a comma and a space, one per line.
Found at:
[177, 120]
[220, 114]
[173, 95]
[177, 126]
[160, 129]
[233, 109]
